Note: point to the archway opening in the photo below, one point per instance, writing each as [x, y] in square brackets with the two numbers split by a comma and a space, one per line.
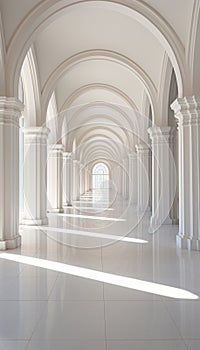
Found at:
[100, 176]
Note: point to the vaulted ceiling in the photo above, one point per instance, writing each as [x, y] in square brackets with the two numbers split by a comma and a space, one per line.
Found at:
[105, 62]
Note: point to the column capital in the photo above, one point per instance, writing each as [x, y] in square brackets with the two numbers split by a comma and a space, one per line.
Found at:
[55, 148]
[160, 134]
[82, 166]
[132, 156]
[67, 156]
[142, 148]
[76, 162]
[10, 110]
[187, 110]
[36, 132]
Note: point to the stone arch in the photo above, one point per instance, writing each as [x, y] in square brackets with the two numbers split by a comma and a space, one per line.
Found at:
[45, 14]
[30, 81]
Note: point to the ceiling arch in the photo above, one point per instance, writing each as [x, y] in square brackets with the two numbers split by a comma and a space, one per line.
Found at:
[95, 86]
[102, 56]
[101, 132]
[124, 118]
[44, 14]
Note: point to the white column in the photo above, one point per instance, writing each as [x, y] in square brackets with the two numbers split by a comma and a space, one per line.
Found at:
[125, 178]
[88, 179]
[10, 110]
[187, 111]
[82, 179]
[76, 179]
[133, 178]
[54, 178]
[163, 172]
[35, 164]
[121, 180]
[142, 175]
[67, 179]
[174, 213]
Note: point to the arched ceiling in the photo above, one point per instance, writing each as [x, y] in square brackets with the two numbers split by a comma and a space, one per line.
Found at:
[100, 71]
[92, 55]
[90, 26]
[178, 14]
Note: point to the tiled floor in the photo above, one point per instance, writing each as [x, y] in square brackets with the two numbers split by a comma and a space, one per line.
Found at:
[108, 303]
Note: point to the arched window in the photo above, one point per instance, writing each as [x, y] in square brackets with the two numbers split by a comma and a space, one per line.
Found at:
[100, 176]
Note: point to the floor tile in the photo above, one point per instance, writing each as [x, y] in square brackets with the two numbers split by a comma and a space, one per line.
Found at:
[32, 271]
[186, 315]
[10, 268]
[26, 288]
[88, 258]
[63, 345]
[13, 345]
[19, 318]
[147, 345]
[72, 321]
[193, 344]
[135, 320]
[76, 288]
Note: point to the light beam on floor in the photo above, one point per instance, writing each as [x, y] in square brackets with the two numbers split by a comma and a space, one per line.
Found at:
[91, 208]
[85, 233]
[117, 280]
[87, 217]
[90, 201]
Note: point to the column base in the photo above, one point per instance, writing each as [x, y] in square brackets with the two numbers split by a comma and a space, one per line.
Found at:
[175, 221]
[156, 223]
[167, 221]
[187, 243]
[153, 227]
[10, 243]
[55, 210]
[67, 205]
[34, 221]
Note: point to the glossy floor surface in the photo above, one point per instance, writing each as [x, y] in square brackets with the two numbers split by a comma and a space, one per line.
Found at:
[96, 279]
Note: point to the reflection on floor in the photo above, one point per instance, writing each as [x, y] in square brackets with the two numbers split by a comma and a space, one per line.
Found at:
[80, 283]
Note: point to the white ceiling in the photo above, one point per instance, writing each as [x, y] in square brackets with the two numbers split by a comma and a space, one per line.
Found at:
[130, 55]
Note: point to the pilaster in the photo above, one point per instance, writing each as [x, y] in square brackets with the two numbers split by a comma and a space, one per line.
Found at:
[76, 179]
[163, 175]
[67, 179]
[54, 178]
[187, 112]
[142, 151]
[35, 184]
[133, 179]
[10, 110]
[125, 179]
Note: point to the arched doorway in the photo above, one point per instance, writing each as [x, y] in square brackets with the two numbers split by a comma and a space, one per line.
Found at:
[100, 176]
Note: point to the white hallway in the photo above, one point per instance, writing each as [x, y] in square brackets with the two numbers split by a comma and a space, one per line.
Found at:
[99, 174]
